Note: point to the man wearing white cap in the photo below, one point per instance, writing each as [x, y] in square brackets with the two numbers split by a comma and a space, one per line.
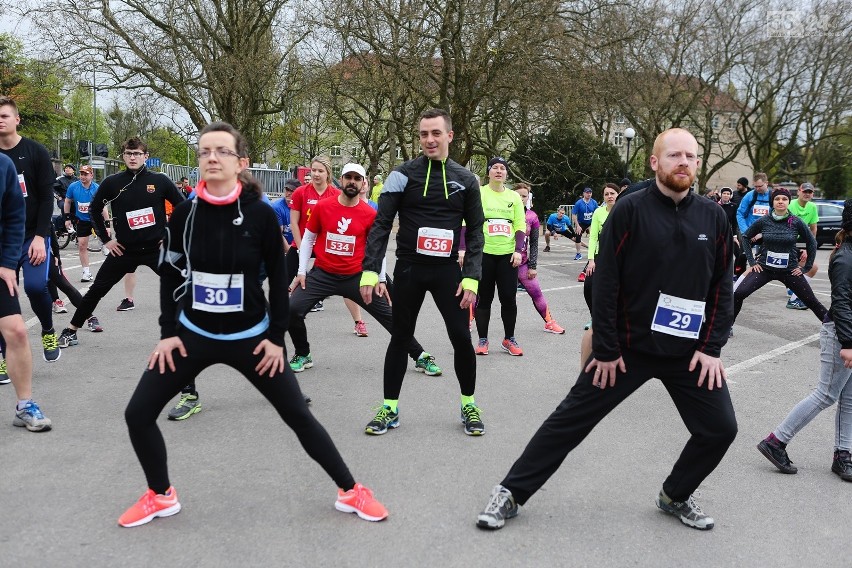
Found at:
[336, 233]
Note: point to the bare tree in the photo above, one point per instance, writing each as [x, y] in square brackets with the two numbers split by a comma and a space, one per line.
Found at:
[214, 59]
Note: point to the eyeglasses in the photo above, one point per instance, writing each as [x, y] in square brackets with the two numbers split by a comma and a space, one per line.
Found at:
[354, 177]
[218, 152]
[135, 154]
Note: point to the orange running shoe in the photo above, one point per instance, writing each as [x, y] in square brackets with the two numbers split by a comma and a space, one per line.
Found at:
[511, 347]
[359, 500]
[481, 347]
[553, 327]
[151, 505]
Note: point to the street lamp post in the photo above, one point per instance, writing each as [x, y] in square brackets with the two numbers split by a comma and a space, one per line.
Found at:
[629, 134]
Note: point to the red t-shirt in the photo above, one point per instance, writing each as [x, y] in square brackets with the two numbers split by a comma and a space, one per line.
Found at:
[305, 198]
[341, 235]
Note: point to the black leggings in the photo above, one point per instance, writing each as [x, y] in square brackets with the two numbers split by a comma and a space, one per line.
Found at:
[111, 272]
[497, 270]
[155, 390]
[411, 282]
[319, 285]
[754, 281]
[56, 279]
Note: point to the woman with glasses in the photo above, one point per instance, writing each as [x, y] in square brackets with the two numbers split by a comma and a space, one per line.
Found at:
[214, 311]
[137, 197]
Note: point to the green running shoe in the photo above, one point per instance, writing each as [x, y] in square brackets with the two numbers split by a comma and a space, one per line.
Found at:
[385, 418]
[4, 373]
[426, 364]
[301, 362]
[51, 346]
[186, 407]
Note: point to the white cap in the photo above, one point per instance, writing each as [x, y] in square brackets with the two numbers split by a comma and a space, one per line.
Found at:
[350, 167]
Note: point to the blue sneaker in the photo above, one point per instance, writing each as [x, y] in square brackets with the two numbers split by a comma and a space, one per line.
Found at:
[31, 418]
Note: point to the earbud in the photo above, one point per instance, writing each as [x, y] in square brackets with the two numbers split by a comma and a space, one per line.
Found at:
[238, 221]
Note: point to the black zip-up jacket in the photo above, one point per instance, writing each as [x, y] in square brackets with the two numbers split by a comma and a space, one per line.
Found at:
[32, 161]
[650, 245]
[127, 192]
[217, 246]
[840, 274]
[452, 196]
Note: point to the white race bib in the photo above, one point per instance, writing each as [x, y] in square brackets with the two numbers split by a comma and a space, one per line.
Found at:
[434, 242]
[587, 216]
[499, 227]
[83, 207]
[341, 245]
[141, 218]
[212, 293]
[777, 259]
[23, 184]
[678, 316]
[760, 210]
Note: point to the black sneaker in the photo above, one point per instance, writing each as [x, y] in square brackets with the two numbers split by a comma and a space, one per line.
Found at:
[470, 417]
[777, 455]
[546, 249]
[318, 307]
[187, 405]
[50, 346]
[126, 305]
[385, 419]
[501, 506]
[687, 511]
[67, 337]
[842, 465]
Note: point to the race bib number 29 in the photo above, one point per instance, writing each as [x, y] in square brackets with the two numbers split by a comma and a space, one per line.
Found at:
[678, 316]
[434, 242]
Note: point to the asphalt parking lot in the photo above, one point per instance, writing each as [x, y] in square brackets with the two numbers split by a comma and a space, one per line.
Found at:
[252, 497]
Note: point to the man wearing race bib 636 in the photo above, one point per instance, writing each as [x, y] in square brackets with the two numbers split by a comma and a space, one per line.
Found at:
[138, 198]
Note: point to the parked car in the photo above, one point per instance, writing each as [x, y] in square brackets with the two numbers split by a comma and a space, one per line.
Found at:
[830, 216]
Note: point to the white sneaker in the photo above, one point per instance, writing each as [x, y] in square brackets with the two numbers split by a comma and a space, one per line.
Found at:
[86, 277]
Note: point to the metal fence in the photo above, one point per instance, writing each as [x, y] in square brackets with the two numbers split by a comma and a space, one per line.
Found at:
[272, 181]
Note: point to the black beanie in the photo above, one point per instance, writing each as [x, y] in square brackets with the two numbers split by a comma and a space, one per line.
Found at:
[743, 181]
[846, 222]
[779, 191]
[497, 160]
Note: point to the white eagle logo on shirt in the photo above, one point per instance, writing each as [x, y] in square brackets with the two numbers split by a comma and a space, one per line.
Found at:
[343, 225]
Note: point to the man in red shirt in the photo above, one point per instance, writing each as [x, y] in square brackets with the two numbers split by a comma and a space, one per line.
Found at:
[337, 234]
[305, 200]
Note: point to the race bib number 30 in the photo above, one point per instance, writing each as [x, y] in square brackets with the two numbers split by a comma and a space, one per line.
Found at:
[777, 259]
[678, 316]
[341, 245]
[434, 242]
[140, 218]
[217, 293]
[499, 227]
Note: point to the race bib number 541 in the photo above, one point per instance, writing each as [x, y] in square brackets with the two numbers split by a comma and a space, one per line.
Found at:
[434, 242]
[678, 316]
[141, 218]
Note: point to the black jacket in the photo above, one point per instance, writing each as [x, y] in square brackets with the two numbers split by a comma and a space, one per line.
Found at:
[648, 246]
[444, 204]
[127, 192]
[840, 274]
[217, 246]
